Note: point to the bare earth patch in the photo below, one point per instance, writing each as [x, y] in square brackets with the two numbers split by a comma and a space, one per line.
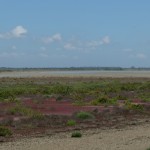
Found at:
[128, 138]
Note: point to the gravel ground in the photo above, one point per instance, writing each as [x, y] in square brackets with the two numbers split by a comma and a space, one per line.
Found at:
[136, 137]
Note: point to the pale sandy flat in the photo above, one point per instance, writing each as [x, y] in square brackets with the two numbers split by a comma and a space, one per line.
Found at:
[45, 73]
[129, 138]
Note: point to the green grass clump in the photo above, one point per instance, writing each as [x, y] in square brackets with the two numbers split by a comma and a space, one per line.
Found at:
[138, 107]
[84, 115]
[71, 123]
[24, 111]
[76, 134]
[79, 103]
[11, 99]
[5, 131]
[103, 99]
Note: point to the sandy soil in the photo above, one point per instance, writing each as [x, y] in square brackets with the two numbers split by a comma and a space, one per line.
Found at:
[135, 137]
[116, 74]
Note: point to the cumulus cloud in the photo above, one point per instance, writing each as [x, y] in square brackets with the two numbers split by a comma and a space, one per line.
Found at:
[54, 38]
[17, 32]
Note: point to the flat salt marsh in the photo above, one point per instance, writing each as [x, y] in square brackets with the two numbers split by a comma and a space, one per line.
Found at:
[88, 73]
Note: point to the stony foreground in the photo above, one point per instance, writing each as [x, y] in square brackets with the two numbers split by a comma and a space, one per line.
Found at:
[135, 137]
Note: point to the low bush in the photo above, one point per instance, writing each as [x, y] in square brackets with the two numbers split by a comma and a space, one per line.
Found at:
[71, 123]
[84, 115]
[5, 131]
[76, 134]
[138, 107]
[103, 99]
[24, 111]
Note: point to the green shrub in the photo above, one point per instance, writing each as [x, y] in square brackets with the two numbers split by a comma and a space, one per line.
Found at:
[59, 98]
[84, 115]
[129, 105]
[24, 111]
[113, 101]
[71, 123]
[11, 99]
[103, 99]
[137, 107]
[121, 97]
[76, 134]
[5, 131]
[61, 89]
[94, 102]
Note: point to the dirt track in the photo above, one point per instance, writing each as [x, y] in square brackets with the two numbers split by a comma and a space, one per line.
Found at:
[136, 137]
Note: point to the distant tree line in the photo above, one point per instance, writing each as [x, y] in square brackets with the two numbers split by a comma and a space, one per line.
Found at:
[74, 68]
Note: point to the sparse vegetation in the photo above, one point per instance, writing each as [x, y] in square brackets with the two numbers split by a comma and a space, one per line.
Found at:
[130, 105]
[30, 101]
[71, 123]
[5, 131]
[84, 115]
[99, 91]
[24, 111]
[76, 134]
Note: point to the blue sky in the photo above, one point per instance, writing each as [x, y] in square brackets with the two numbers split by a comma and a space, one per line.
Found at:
[66, 33]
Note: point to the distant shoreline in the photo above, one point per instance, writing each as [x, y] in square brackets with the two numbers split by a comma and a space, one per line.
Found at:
[9, 69]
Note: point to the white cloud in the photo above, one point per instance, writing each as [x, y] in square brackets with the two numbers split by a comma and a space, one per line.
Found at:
[86, 45]
[55, 38]
[69, 46]
[138, 56]
[105, 40]
[17, 32]
[43, 48]
[43, 55]
[5, 36]
[11, 54]
[14, 47]
[141, 56]
[94, 44]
